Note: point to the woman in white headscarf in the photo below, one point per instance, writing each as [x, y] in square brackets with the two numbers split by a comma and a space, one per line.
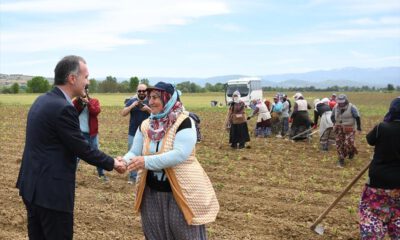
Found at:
[238, 133]
[263, 125]
[326, 134]
[301, 120]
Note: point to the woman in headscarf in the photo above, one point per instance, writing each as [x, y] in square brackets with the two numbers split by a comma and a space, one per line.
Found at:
[345, 117]
[238, 133]
[379, 208]
[301, 120]
[276, 116]
[326, 135]
[173, 193]
[263, 125]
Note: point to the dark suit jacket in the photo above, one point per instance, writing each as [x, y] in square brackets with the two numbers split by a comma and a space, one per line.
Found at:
[53, 142]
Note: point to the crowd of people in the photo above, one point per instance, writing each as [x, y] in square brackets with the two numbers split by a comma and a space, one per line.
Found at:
[173, 194]
[339, 120]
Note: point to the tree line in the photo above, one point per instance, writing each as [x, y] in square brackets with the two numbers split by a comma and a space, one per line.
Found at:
[111, 85]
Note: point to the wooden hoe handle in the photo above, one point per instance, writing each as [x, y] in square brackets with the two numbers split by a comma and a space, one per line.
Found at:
[328, 209]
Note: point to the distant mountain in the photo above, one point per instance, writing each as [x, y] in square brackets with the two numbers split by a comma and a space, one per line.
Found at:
[350, 76]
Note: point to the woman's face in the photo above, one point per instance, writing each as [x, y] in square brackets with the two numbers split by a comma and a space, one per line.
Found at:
[155, 102]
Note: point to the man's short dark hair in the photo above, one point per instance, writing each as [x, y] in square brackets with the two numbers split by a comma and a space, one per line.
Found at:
[66, 66]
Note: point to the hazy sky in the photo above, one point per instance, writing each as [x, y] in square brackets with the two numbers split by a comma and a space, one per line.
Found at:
[198, 38]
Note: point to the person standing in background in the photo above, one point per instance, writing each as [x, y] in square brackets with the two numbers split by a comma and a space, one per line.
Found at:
[139, 111]
[238, 132]
[88, 109]
[345, 118]
[332, 101]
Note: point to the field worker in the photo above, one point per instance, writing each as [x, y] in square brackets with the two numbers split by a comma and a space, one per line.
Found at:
[263, 125]
[238, 132]
[46, 180]
[301, 120]
[174, 195]
[379, 208]
[268, 104]
[88, 108]
[276, 116]
[326, 134]
[139, 110]
[285, 115]
[345, 117]
[332, 101]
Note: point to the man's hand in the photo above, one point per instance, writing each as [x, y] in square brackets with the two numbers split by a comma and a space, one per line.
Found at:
[136, 163]
[134, 104]
[146, 108]
[119, 165]
[85, 99]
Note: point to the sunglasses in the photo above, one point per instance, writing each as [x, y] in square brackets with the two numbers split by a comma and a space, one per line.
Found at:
[141, 91]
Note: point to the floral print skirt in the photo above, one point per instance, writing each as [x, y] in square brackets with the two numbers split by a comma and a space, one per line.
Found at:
[379, 213]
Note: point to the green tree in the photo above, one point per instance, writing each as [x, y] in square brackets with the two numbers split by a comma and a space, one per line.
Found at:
[15, 88]
[38, 85]
[6, 90]
[145, 81]
[123, 87]
[133, 84]
[93, 85]
[109, 85]
[390, 87]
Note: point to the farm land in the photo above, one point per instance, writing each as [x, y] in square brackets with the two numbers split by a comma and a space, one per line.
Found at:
[274, 189]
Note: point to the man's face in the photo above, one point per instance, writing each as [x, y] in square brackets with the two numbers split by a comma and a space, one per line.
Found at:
[81, 80]
[141, 92]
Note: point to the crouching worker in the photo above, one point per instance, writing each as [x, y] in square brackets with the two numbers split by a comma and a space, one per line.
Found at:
[174, 195]
[300, 128]
[326, 134]
[263, 125]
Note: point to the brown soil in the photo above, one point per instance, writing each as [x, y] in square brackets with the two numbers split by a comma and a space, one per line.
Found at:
[273, 190]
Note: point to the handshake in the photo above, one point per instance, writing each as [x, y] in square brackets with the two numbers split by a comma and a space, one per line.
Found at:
[136, 163]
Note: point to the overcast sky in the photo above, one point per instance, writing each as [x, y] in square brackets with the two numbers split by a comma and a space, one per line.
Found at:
[198, 38]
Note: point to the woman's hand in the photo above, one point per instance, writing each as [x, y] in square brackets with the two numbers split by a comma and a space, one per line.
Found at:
[136, 163]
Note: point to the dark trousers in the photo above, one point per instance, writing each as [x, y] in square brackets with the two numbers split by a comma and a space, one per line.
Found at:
[44, 223]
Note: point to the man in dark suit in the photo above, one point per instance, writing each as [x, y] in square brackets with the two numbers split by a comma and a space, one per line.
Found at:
[53, 141]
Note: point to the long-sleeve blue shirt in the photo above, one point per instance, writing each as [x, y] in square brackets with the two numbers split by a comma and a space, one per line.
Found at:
[185, 141]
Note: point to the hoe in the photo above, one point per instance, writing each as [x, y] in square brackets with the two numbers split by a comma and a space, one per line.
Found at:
[318, 228]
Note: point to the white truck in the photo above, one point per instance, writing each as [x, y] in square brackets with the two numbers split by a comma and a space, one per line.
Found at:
[248, 87]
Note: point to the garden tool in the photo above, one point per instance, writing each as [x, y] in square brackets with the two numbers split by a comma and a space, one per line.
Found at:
[225, 130]
[306, 131]
[318, 228]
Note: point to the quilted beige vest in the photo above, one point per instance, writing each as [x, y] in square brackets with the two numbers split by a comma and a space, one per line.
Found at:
[191, 187]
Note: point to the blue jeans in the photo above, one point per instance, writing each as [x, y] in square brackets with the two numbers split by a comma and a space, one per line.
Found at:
[94, 143]
[133, 174]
